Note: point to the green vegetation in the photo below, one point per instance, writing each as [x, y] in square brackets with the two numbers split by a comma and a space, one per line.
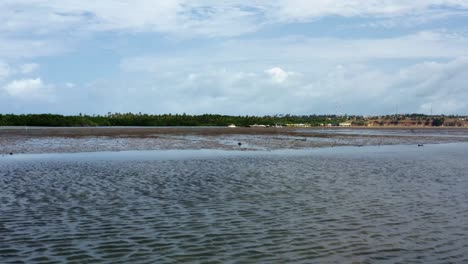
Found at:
[130, 119]
[437, 121]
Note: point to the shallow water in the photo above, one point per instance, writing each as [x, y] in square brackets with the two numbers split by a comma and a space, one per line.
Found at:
[119, 139]
[389, 204]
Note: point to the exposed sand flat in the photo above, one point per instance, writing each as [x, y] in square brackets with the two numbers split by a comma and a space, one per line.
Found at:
[138, 131]
[91, 139]
[151, 131]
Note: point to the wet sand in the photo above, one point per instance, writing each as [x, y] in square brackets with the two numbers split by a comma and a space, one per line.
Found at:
[93, 139]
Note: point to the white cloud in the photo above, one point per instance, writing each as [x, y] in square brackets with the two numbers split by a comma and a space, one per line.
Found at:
[353, 73]
[425, 44]
[277, 74]
[43, 16]
[189, 17]
[412, 88]
[227, 73]
[300, 10]
[300, 53]
[9, 70]
[23, 87]
[29, 89]
[344, 88]
[34, 28]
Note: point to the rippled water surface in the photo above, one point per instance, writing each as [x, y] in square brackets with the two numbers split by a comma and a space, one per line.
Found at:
[393, 204]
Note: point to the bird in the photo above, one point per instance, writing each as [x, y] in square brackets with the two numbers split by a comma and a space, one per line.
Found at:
[11, 153]
[420, 145]
[239, 144]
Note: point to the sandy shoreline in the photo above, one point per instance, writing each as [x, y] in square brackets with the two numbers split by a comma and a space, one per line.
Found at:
[136, 131]
[92, 139]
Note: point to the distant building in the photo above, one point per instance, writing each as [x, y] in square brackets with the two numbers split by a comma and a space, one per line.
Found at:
[298, 125]
[345, 124]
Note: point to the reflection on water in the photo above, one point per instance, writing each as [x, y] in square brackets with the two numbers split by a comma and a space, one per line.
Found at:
[390, 204]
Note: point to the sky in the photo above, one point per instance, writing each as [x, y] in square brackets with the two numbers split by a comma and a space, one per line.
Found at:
[257, 57]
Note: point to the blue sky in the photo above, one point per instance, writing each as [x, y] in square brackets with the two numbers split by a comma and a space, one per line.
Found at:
[234, 57]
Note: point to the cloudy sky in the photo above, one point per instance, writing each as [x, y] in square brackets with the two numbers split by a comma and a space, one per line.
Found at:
[234, 57]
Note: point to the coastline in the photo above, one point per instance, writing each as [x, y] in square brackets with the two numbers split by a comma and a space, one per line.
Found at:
[76, 131]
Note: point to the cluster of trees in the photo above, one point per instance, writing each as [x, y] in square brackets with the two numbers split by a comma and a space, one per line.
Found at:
[417, 119]
[130, 119]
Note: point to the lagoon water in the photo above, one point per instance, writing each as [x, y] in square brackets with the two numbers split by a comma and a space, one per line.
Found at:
[388, 204]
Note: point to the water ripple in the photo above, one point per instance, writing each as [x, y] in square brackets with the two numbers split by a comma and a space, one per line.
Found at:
[231, 210]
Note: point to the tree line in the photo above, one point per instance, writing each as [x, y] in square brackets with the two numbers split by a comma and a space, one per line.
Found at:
[139, 119]
[131, 119]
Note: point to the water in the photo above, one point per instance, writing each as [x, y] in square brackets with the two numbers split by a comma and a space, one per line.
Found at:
[66, 140]
[392, 204]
